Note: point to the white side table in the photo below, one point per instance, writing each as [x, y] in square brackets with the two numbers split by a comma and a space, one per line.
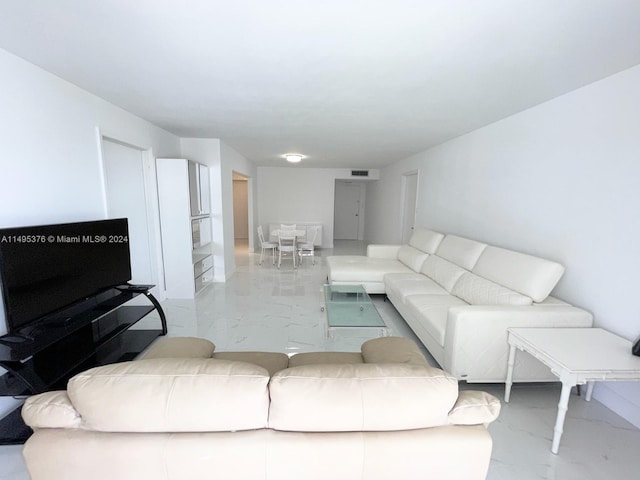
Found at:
[577, 356]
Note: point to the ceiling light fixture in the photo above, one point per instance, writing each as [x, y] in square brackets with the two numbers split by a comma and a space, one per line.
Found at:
[293, 157]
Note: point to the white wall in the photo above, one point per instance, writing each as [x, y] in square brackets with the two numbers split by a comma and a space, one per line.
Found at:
[50, 162]
[383, 213]
[560, 180]
[50, 159]
[300, 195]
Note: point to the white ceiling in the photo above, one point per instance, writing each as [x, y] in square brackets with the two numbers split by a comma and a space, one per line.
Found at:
[349, 83]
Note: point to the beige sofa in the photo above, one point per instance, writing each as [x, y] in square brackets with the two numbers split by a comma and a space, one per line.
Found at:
[460, 296]
[381, 413]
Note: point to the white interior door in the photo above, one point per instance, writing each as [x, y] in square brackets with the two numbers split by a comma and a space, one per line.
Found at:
[126, 198]
[347, 211]
[409, 205]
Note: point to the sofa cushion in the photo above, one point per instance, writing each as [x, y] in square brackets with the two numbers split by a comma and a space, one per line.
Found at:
[461, 251]
[272, 362]
[425, 240]
[442, 271]
[383, 251]
[338, 263]
[476, 290]
[392, 350]
[432, 311]
[401, 285]
[319, 358]
[364, 269]
[172, 395]
[179, 347]
[412, 257]
[532, 276]
[364, 397]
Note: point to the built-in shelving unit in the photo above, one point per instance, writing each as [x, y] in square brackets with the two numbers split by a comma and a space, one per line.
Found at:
[185, 224]
[95, 331]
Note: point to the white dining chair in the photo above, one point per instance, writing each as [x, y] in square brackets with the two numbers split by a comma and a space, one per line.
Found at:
[307, 249]
[266, 246]
[286, 245]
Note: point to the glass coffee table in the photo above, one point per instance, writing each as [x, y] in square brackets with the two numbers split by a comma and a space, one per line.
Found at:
[349, 306]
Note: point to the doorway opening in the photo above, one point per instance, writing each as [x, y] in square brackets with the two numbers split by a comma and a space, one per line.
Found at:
[240, 214]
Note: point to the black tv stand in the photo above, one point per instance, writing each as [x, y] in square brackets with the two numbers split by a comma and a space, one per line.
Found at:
[134, 288]
[10, 339]
[93, 332]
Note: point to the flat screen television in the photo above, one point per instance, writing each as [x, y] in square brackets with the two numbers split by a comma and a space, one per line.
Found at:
[46, 268]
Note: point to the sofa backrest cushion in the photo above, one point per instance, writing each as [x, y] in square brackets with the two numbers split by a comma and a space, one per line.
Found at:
[179, 347]
[442, 271]
[476, 290]
[532, 276]
[392, 350]
[172, 395]
[425, 240]
[364, 397]
[461, 251]
[412, 257]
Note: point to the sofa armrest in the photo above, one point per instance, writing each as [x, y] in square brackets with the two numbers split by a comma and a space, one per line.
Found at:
[383, 251]
[476, 346]
[474, 408]
[50, 410]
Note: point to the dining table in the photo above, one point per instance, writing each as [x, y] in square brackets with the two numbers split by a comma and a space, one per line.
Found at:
[297, 233]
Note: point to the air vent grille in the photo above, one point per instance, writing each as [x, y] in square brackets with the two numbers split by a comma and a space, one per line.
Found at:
[359, 173]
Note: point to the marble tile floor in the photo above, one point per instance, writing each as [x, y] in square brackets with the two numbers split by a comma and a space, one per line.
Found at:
[263, 308]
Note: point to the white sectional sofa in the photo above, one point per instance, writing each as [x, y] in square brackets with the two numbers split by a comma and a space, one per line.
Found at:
[186, 412]
[459, 296]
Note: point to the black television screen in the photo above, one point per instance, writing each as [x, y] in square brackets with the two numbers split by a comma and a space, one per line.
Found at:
[46, 268]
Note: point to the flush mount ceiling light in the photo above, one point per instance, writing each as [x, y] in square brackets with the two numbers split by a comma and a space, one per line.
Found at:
[293, 157]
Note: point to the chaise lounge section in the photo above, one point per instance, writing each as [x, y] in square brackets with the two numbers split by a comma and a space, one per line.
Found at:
[369, 271]
[182, 413]
[460, 296]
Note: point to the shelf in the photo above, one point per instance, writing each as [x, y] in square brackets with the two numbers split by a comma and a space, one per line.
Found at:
[184, 201]
[93, 332]
[62, 325]
[61, 359]
[198, 257]
[123, 348]
[13, 431]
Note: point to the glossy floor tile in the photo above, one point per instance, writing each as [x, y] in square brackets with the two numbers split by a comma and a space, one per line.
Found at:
[263, 308]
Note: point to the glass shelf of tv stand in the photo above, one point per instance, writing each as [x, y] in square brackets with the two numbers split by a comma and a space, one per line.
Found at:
[82, 349]
[31, 340]
[122, 346]
[93, 332]
[53, 348]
